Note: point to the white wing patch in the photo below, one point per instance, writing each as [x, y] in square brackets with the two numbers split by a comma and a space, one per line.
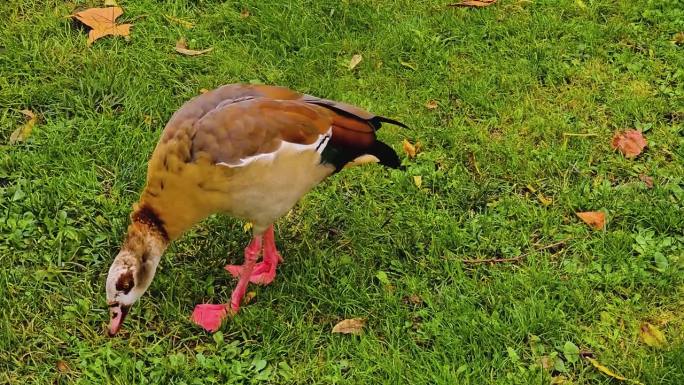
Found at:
[318, 146]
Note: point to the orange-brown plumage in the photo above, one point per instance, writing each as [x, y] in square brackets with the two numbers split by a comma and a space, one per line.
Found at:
[250, 151]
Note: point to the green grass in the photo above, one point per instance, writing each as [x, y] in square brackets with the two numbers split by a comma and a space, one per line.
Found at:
[510, 81]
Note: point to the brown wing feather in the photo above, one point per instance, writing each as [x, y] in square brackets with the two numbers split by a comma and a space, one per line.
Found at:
[257, 126]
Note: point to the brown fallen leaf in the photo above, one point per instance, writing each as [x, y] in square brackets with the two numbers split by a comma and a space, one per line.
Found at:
[102, 22]
[409, 149]
[350, 326]
[182, 48]
[355, 60]
[603, 369]
[473, 3]
[413, 299]
[630, 143]
[652, 336]
[648, 181]
[24, 131]
[431, 104]
[244, 14]
[62, 366]
[182, 22]
[595, 219]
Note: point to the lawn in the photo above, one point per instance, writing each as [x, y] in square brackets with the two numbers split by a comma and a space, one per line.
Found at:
[514, 107]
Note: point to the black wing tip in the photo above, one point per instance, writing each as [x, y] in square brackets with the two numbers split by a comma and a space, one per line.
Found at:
[378, 120]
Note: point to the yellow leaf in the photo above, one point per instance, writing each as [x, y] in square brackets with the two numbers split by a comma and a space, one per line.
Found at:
[363, 159]
[182, 22]
[203, 90]
[678, 38]
[249, 296]
[182, 48]
[605, 370]
[248, 226]
[407, 64]
[24, 131]
[418, 180]
[102, 21]
[110, 3]
[652, 336]
[558, 380]
[409, 149]
[431, 104]
[350, 326]
[544, 200]
[355, 60]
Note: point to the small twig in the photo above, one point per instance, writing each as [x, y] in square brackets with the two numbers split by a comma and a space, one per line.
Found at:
[515, 259]
[584, 135]
[493, 260]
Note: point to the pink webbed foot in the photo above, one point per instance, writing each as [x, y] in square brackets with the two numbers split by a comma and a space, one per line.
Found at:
[209, 316]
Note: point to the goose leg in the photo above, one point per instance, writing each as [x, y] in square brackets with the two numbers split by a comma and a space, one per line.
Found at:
[210, 316]
[265, 271]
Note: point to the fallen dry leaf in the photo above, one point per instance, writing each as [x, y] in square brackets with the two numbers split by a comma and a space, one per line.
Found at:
[355, 60]
[244, 14]
[418, 180]
[652, 336]
[203, 90]
[247, 226]
[648, 181]
[595, 219]
[110, 3]
[62, 366]
[473, 3]
[182, 48]
[544, 200]
[407, 64]
[431, 104]
[24, 131]
[409, 148]
[249, 296]
[603, 369]
[558, 380]
[182, 22]
[102, 22]
[413, 299]
[630, 143]
[350, 326]
[678, 38]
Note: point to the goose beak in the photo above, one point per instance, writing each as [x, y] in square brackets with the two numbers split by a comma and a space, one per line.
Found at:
[117, 314]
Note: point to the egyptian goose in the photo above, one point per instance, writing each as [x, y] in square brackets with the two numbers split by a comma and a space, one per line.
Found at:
[250, 151]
